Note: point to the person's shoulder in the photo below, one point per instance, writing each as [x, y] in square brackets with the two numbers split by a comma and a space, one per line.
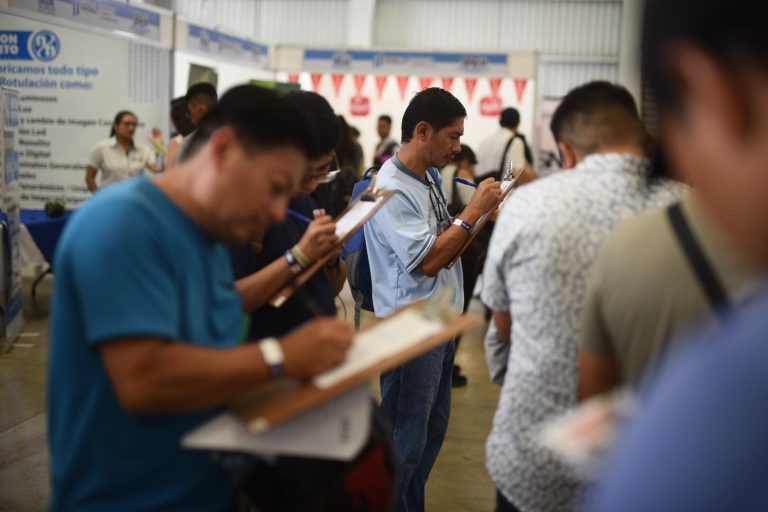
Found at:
[105, 143]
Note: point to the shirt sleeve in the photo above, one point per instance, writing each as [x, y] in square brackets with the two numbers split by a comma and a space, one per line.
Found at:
[593, 335]
[123, 278]
[406, 231]
[96, 158]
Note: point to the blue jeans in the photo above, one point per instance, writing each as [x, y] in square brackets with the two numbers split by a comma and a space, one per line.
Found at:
[417, 399]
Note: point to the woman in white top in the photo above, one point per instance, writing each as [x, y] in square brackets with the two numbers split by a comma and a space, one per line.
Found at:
[118, 157]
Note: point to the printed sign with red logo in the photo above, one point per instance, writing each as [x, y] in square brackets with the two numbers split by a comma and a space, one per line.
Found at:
[491, 106]
[359, 105]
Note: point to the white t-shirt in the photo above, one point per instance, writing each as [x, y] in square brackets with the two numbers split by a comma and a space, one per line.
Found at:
[115, 164]
[489, 153]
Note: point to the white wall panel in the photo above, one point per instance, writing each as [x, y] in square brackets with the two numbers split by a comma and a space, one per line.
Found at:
[302, 22]
[564, 27]
[556, 78]
[235, 17]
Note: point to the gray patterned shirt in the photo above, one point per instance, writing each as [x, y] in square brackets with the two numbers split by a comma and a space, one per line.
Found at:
[542, 248]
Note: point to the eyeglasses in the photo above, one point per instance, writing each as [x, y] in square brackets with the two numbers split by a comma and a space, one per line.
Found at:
[129, 123]
[436, 201]
[324, 173]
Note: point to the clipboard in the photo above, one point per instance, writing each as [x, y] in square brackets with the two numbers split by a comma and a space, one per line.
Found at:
[286, 399]
[511, 175]
[348, 222]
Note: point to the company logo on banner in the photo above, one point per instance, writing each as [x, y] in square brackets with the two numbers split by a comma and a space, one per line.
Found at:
[42, 45]
[359, 105]
[406, 63]
[106, 14]
[492, 105]
[216, 43]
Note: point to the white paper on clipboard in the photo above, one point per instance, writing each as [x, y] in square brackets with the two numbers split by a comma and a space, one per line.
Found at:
[354, 215]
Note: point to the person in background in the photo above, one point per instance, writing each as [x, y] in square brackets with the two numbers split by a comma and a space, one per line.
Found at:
[308, 242]
[698, 440]
[355, 133]
[119, 157]
[146, 323]
[458, 196]
[201, 98]
[409, 243]
[504, 146]
[158, 146]
[336, 194]
[387, 146]
[543, 246]
[182, 126]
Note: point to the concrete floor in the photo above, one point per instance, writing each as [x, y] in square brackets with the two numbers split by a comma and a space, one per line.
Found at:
[459, 481]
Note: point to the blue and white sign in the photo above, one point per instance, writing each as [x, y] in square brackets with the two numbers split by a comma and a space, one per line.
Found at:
[405, 63]
[106, 14]
[68, 97]
[215, 43]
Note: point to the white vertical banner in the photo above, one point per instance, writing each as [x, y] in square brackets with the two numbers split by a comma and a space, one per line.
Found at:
[71, 84]
[10, 195]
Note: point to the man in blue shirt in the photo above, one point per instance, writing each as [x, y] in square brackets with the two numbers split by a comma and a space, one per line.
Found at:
[146, 316]
[409, 243]
[699, 441]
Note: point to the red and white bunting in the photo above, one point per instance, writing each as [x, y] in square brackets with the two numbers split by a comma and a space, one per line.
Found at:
[402, 84]
[293, 78]
[359, 83]
[316, 77]
[520, 84]
[338, 79]
[447, 83]
[425, 82]
[495, 84]
[470, 83]
[381, 81]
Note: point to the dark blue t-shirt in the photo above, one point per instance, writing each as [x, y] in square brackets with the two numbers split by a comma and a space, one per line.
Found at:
[700, 442]
[317, 294]
[131, 264]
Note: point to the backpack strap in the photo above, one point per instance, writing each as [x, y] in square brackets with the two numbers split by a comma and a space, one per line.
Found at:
[713, 289]
[501, 169]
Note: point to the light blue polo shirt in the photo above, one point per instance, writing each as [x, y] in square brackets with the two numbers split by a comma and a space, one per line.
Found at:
[400, 236]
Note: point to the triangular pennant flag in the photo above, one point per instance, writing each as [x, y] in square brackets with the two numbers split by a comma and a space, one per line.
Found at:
[338, 78]
[447, 83]
[402, 83]
[359, 82]
[316, 77]
[425, 82]
[471, 83]
[495, 84]
[381, 81]
[293, 78]
[520, 84]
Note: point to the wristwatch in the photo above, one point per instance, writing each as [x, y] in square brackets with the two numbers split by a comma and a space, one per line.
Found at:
[273, 356]
[466, 226]
[294, 265]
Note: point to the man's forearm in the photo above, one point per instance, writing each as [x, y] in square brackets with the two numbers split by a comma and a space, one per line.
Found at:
[449, 243]
[257, 288]
[152, 375]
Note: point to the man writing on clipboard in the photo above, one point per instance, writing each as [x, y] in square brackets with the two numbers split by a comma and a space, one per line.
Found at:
[409, 243]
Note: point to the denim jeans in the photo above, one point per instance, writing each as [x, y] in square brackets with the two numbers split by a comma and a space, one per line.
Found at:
[417, 398]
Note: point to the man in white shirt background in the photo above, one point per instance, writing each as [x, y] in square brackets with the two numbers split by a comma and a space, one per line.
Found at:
[504, 146]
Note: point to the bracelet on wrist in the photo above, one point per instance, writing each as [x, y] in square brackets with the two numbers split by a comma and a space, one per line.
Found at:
[301, 257]
[292, 263]
[273, 356]
[466, 226]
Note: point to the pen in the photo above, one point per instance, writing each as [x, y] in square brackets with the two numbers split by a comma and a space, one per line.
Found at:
[465, 182]
[296, 215]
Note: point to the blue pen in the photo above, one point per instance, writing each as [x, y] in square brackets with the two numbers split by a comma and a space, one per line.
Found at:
[296, 215]
[465, 182]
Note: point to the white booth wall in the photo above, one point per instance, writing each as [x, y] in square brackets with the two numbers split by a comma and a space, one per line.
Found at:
[229, 73]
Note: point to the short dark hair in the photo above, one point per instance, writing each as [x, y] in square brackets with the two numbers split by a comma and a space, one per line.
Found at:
[466, 153]
[385, 117]
[594, 114]
[261, 119]
[435, 106]
[318, 115]
[510, 118]
[202, 89]
[119, 119]
[180, 116]
[732, 32]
